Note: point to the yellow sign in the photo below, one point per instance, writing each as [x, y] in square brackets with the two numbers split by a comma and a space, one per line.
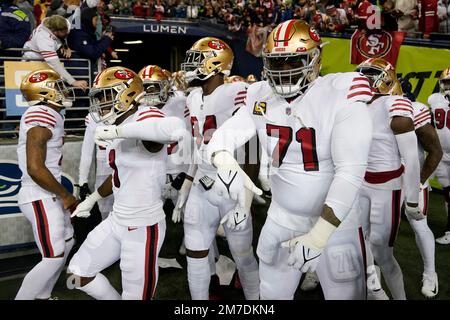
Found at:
[422, 66]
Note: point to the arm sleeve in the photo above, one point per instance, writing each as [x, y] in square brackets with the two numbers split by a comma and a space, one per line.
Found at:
[87, 153]
[156, 129]
[48, 51]
[350, 145]
[233, 134]
[407, 145]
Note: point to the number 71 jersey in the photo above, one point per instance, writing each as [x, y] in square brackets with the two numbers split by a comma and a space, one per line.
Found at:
[299, 136]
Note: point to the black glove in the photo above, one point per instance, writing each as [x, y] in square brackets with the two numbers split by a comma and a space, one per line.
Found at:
[84, 191]
[178, 181]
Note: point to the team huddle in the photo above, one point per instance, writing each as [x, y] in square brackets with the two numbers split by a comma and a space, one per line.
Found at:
[341, 154]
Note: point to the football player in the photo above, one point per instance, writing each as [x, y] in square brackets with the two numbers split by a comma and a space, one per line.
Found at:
[42, 198]
[440, 108]
[160, 93]
[318, 132]
[387, 180]
[102, 170]
[206, 64]
[134, 231]
[430, 153]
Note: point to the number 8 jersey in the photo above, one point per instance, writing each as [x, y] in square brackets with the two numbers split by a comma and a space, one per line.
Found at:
[307, 139]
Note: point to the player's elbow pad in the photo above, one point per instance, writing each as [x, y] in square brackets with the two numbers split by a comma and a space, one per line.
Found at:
[407, 145]
[162, 130]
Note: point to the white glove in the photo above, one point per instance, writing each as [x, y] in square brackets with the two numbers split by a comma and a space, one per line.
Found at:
[305, 250]
[265, 183]
[181, 201]
[300, 256]
[168, 192]
[83, 210]
[105, 133]
[231, 181]
[414, 212]
[236, 219]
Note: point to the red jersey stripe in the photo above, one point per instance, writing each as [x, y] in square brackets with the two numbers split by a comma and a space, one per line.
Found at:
[149, 116]
[40, 121]
[360, 93]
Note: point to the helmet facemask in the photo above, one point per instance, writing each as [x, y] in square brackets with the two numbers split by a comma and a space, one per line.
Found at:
[64, 96]
[106, 105]
[156, 92]
[289, 74]
[195, 68]
[444, 88]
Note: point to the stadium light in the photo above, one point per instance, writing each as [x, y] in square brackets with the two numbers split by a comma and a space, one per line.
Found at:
[121, 50]
[116, 61]
[133, 42]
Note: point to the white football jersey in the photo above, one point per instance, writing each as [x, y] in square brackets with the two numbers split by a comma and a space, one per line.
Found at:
[301, 138]
[87, 151]
[138, 176]
[176, 107]
[40, 116]
[43, 43]
[384, 154]
[207, 113]
[440, 108]
[422, 116]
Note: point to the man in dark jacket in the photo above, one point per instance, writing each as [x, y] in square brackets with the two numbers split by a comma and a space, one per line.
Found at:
[15, 28]
[84, 40]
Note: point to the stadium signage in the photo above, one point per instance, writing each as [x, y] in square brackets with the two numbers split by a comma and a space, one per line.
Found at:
[160, 28]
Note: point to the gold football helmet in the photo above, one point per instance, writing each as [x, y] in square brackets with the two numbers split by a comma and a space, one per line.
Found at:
[157, 85]
[381, 75]
[444, 84]
[115, 91]
[179, 81]
[235, 78]
[292, 57]
[207, 57]
[46, 86]
[251, 78]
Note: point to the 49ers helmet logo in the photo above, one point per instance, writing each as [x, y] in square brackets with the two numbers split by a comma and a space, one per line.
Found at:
[38, 77]
[314, 34]
[123, 74]
[217, 45]
[374, 45]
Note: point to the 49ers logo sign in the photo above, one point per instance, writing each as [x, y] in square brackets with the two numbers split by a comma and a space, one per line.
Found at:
[217, 45]
[123, 74]
[314, 34]
[374, 45]
[38, 77]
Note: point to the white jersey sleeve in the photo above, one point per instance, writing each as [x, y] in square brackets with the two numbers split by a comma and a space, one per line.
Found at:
[39, 117]
[349, 152]
[422, 115]
[359, 89]
[401, 107]
[87, 150]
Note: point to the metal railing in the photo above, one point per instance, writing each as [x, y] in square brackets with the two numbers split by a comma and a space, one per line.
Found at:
[80, 69]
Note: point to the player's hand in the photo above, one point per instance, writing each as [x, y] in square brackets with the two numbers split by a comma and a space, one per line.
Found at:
[114, 55]
[301, 256]
[81, 84]
[412, 210]
[181, 201]
[236, 219]
[69, 201]
[168, 192]
[83, 210]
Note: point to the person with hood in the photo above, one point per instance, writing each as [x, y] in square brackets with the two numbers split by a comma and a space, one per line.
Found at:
[84, 40]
